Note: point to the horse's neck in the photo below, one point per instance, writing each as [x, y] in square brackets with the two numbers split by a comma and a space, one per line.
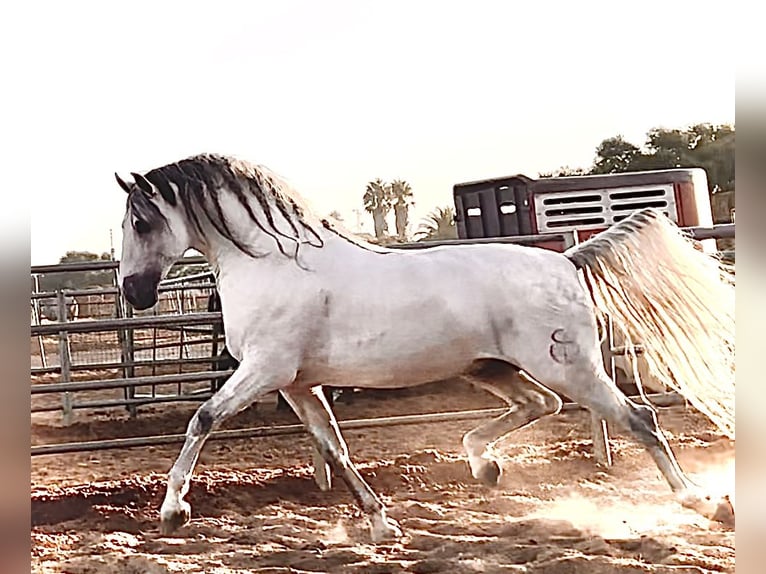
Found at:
[313, 249]
[230, 263]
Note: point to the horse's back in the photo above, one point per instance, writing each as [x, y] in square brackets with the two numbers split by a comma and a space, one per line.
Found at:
[428, 315]
[515, 276]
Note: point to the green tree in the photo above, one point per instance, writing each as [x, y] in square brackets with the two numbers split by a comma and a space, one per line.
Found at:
[78, 256]
[186, 270]
[335, 214]
[712, 148]
[78, 279]
[614, 155]
[437, 225]
[703, 145]
[717, 157]
[401, 193]
[564, 171]
[378, 201]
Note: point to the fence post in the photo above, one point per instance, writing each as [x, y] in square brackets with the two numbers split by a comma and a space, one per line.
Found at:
[216, 331]
[64, 357]
[122, 310]
[130, 354]
[38, 320]
[570, 239]
[598, 428]
[182, 339]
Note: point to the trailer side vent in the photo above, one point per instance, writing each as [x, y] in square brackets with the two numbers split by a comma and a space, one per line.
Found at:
[591, 209]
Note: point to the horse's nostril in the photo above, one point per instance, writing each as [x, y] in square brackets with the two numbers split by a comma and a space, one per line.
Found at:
[129, 284]
[140, 290]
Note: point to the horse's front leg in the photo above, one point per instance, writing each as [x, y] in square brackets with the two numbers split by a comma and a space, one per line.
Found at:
[315, 413]
[252, 380]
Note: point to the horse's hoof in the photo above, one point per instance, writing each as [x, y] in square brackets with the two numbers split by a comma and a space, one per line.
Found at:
[725, 513]
[386, 531]
[722, 512]
[489, 473]
[175, 519]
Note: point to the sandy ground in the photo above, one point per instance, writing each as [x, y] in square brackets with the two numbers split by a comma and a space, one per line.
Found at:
[255, 507]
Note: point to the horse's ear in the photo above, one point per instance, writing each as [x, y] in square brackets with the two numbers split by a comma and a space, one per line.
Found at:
[123, 185]
[143, 183]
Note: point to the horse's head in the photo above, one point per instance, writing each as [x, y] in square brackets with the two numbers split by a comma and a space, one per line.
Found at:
[154, 236]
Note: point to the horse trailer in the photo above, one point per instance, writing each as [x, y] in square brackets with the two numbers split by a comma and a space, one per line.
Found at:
[583, 205]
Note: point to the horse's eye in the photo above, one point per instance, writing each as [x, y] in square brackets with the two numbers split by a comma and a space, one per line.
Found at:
[141, 227]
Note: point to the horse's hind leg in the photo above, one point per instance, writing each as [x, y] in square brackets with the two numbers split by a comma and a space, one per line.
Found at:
[528, 401]
[588, 384]
[641, 422]
[313, 410]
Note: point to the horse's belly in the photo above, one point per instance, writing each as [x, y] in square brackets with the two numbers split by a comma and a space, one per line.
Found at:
[406, 375]
[402, 362]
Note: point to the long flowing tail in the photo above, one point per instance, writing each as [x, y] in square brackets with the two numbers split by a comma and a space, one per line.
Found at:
[675, 301]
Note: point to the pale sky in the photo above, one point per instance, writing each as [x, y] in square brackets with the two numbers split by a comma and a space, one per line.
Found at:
[333, 94]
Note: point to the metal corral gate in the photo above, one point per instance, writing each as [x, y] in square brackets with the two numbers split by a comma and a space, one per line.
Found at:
[149, 357]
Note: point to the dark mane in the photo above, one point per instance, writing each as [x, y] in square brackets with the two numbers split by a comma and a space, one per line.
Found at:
[196, 183]
[145, 209]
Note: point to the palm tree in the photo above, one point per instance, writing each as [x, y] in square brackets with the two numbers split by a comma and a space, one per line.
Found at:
[335, 214]
[402, 196]
[377, 201]
[439, 224]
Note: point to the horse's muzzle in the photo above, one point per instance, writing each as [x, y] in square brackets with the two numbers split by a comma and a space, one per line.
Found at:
[140, 289]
